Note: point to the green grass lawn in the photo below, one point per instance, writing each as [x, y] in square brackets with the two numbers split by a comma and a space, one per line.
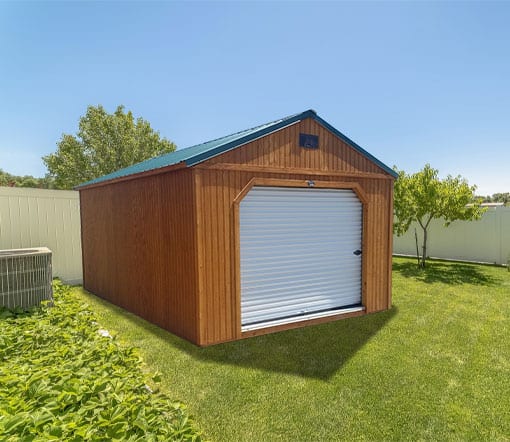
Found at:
[434, 367]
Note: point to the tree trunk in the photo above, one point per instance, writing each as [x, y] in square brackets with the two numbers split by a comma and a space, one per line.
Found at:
[424, 256]
[417, 249]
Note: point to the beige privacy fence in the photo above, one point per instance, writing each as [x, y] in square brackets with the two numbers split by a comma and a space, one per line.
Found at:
[486, 240]
[44, 218]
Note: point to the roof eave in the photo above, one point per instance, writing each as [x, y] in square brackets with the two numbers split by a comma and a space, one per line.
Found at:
[247, 139]
[204, 156]
[285, 123]
[357, 147]
[145, 173]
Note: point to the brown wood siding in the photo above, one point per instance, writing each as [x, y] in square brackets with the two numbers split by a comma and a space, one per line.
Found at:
[281, 150]
[219, 312]
[139, 248]
[275, 156]
[164, 246]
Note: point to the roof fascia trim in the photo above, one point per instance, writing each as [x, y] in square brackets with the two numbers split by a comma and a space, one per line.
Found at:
[248, 138]
[199, 158]
[145, 173]
[355, 146]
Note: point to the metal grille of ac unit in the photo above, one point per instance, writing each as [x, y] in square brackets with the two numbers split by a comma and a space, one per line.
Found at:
[25, 277]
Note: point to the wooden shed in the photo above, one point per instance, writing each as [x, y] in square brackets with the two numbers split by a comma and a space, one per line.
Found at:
[279, 226]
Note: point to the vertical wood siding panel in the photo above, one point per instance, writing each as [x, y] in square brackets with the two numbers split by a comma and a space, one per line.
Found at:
[216, 259]
[222, 245]
[137, 237]
[357, 162]
[333, 161]
[242, 154]
[208, 286]
[307, 155]
[222, 303]
[265, 158]
[238, 183]
[322, 160]
[378, 245]
[375, 249]
[383, 238]
[227, 198]
[199, 239]
[288, 139]
[284, 149]
[384, 205]
[389, 264]
[272, 153]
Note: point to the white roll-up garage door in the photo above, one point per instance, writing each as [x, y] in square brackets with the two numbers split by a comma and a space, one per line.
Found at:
[300, 254]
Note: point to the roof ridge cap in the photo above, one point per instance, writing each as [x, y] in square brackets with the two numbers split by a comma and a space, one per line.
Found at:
[278, 120]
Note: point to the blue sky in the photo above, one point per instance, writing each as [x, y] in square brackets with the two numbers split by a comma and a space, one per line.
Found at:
[411, 82]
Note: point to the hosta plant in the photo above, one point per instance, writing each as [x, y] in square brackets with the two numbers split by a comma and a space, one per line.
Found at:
[62, 379]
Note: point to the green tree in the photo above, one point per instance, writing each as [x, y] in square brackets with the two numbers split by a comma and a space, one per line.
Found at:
[422, 197]
[7, 179]
[496, 198]
[501, 198]
[104, 143]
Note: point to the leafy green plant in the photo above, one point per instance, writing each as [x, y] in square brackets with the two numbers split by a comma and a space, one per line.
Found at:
[103, 144]
[423, 196]
[61, 379]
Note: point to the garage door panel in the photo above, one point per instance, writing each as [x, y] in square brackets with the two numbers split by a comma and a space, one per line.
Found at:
[311, 304]
[302, 221]
[300, 273]
[280, 296]
[292, 309]
[280, 245]
[297, 252]
[322, 241]
[306, 267]
[310, 284]
[273, 279]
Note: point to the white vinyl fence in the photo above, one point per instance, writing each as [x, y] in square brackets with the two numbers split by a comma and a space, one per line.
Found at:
[51, 218]
[44, 218]
[485, 240]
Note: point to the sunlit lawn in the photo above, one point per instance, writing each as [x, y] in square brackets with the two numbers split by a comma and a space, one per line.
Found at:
[434, 367]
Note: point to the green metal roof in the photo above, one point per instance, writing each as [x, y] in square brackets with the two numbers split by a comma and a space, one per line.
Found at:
[202, 152]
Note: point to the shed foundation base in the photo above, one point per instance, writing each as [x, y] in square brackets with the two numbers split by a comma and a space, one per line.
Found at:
[301, 321]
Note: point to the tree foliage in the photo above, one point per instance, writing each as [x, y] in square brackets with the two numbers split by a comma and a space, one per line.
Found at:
[497, 198]
[9, 180]
[422, 197]
[104, 143]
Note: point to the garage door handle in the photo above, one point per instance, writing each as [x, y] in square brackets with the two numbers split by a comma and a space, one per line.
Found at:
[357, 252]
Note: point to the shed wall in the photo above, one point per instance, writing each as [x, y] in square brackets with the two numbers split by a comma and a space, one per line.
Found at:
[221, 179]
[281, 150]
[138, 241]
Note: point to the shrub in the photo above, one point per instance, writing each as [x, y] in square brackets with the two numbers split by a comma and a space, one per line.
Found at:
[62, 379]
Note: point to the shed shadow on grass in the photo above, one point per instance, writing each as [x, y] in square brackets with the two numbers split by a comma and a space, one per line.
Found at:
[317, 351]
[453, 273]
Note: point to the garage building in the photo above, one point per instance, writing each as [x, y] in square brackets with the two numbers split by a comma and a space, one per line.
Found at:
[279, 226]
